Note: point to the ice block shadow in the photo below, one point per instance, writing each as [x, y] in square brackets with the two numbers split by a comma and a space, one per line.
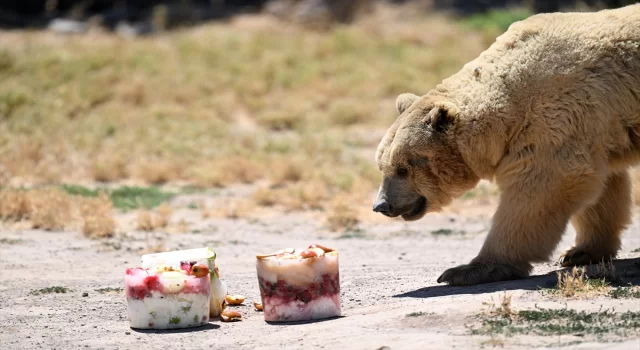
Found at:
[293, 323]
[202, 328]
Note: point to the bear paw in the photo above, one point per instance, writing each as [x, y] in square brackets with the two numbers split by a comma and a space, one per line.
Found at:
[477, 273]
[581, 255]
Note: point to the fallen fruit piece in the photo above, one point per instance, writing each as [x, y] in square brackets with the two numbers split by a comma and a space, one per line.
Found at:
[308, 254]
[199, 270]
[258, 306]
[318, 251]
[286, 251]
[326, 250]
[234, 299]
[230, 316]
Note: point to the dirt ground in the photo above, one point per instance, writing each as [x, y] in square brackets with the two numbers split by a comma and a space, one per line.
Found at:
[388, 271]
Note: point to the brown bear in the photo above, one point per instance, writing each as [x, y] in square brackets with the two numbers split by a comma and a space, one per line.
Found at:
[551, 113]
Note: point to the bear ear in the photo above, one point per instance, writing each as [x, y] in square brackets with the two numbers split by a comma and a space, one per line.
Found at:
[442, 116]
[405, 101]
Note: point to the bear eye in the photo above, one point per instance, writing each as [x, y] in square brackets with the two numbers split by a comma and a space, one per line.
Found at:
[402, 172]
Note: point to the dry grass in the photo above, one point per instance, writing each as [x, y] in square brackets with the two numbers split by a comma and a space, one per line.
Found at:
[228, 208]
[493, 342]
[205, 210]
[47, 209]
[150, 220]
[264, 196]
[109, 168]
[97, 217]
[144, 220]
[225, 171]
[285, 170]
[163, 216]
[158, 171]
[181, 226]
[586, 282]
[343, 215]
[53, 209]
[14, 205]
[503, 309]
[220, 104]
[153, 248]
[239, 208]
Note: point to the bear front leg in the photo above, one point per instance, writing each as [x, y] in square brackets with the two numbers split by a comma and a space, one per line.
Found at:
[600, 225]
[527, 226]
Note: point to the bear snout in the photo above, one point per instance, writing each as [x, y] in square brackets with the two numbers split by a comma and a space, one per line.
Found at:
[383, 207]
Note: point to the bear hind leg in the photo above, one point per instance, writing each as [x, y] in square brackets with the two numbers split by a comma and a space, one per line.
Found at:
[600, 225]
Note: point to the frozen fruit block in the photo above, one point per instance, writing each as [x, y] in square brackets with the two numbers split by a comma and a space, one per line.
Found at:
[166, 298]
[299, 286]
[184, 258]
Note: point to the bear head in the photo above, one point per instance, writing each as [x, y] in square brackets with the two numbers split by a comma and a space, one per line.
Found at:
[423, 169]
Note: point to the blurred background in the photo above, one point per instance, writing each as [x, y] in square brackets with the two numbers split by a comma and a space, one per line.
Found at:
[107, 106]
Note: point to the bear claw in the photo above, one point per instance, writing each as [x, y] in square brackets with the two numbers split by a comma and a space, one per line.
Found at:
[477, 273]
[578, 256]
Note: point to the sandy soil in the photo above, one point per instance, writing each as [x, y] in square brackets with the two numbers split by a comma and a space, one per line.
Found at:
[388, 270]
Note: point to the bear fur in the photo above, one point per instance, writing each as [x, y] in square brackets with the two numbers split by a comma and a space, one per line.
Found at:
[551, 113]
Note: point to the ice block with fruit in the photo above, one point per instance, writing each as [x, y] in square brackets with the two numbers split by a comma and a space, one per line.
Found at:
[166, 298]
[177, 259]
[299, 286]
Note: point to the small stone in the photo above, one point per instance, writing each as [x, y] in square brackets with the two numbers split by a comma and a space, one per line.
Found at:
[127, 333]
[85, 294]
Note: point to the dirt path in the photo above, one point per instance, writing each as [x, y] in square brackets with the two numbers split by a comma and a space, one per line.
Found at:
[388, 274]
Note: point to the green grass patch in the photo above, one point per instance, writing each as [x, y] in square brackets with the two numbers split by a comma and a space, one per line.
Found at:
[447, 232]
[50, 290]
[77, 190]
[10, 241]
[353, 233]
[191, 190]
[126, 197]
[550, 322]
[495, 21]
[625, 293]
[109, 290]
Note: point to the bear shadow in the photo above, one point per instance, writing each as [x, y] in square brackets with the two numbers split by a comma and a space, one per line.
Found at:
[628, 273]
